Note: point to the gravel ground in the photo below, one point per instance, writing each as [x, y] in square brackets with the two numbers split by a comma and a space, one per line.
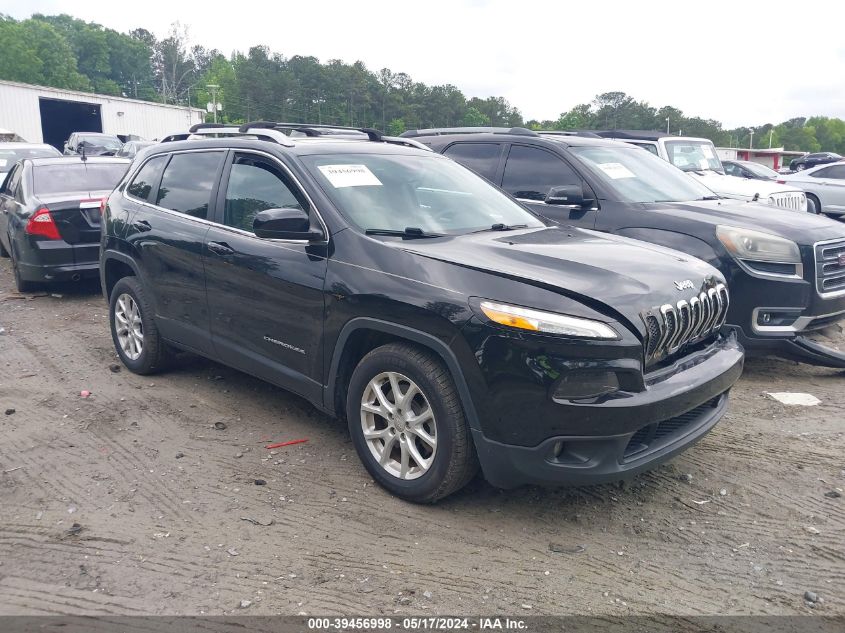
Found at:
[131, 501]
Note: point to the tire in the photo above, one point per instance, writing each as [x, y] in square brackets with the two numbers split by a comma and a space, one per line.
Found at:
[128, 304]
[22, 285]
[813, 204]
[800, 167]
[451, 460]
[3, 251]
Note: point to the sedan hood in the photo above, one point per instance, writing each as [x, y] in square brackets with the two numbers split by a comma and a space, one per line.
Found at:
[744, 188]
[626, 276]
[802, 228]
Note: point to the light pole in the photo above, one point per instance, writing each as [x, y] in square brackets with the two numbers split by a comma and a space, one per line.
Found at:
[770, 137]
[751, 139]
[213, 88]
[667, 125]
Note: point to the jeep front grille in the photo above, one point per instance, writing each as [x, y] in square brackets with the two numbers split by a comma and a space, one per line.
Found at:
[791, 200]
[671, 327]
[830, 267]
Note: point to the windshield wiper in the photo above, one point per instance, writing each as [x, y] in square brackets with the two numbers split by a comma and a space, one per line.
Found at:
[408, 233]
[710, 198]
[500, 226]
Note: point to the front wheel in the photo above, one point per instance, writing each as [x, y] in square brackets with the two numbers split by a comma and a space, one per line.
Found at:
[133, 329]
[813, 204]
[407, 424]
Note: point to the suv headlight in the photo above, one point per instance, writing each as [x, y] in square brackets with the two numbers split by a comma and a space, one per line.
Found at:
[758, 246]
[546, 322]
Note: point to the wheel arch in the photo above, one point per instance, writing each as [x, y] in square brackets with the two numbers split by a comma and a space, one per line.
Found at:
[114, 266]
[363, 334]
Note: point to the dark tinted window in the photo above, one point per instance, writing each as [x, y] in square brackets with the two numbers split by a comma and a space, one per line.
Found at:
[256, 184]
[147, 178]
[14, 179]
[531, 172]
[834, 171]
[482, 158]
[187, 182]
[77, 176]
[731, 169]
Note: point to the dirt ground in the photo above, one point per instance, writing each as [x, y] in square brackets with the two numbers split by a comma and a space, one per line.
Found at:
[130, 501]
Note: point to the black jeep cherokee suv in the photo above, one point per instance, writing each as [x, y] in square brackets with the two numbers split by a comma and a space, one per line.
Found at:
[786, 270]
[392, 286]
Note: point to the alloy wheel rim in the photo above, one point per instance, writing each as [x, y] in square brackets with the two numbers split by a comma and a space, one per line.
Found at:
[399, 425]
[128, 326]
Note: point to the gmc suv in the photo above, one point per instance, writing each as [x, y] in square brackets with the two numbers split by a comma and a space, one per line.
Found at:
[392, 286]
[786, 270]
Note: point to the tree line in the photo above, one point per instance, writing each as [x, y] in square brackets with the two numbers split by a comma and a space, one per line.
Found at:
[64, 52]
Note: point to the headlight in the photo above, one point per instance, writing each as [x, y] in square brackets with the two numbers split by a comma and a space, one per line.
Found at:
[758, 246]
[546, 322]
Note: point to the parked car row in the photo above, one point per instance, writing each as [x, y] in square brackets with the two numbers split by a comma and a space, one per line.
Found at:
[548, 308]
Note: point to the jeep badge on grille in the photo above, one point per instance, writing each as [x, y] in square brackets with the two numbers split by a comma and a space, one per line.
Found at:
[686, 284]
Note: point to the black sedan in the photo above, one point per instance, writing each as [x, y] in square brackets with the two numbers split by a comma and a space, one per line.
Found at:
[811, 160]
[50, 217]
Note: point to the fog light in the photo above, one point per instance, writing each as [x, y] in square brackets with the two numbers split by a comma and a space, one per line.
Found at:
[777, 318]
[586, 384]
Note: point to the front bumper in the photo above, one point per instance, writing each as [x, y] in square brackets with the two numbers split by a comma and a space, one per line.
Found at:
[626, 435]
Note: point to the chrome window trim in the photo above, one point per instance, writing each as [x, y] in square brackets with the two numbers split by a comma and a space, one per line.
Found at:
[220, 225]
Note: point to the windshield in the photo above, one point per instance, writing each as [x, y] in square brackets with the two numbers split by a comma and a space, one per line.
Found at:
[693, 155]
[8, 157]
[638, 176]
[109, 142]
[760, 170]
[50, 179]
[398, 191]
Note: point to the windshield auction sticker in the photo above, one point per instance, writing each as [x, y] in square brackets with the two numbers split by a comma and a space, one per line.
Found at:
[349, 175]
[616, 170]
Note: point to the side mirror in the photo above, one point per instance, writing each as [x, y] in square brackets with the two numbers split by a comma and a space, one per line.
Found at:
[570, 196]
[285, 224]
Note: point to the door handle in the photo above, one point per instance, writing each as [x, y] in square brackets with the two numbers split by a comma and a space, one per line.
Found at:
[221, 248]
[142, 226]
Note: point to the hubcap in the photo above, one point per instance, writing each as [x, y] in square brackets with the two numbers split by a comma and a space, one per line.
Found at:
[128, 325]
[398, 425]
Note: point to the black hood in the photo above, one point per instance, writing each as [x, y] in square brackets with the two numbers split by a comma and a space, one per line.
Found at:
[627, 276]
[803, 228]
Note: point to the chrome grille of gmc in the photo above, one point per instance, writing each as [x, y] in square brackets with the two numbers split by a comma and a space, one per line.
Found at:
[790, 200]
[830, 267]
[671, 327]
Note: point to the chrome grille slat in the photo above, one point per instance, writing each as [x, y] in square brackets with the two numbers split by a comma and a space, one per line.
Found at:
[830, 271]
[671, 327]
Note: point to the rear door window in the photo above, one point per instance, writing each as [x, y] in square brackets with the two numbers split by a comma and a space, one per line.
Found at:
[187, 183]
[482, 158]
[146, 180]
[530, 173]
[836, 172]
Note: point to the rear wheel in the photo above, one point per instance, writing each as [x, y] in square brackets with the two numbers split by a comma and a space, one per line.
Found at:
[813, 204]
[133, 329]
[3, 251]
[407, 424]
[21, 284]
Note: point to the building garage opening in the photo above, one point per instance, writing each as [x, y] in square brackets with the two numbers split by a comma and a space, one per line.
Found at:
[60, 118]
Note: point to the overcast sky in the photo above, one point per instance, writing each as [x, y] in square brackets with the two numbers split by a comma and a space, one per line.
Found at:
[742, 63]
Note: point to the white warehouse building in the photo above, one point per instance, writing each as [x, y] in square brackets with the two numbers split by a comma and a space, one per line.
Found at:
[49, 115]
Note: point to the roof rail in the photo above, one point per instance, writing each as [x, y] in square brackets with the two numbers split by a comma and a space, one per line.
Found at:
[216, 130]
[638, 135]
[437, 131]
[314, 129]
[584, 133]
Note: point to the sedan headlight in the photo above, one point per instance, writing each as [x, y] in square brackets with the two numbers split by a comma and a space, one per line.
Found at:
[758, 246]
[546, 322]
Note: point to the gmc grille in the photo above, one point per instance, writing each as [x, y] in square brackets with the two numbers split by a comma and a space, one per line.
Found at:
[793, 200]
[830, 269]
[671, 327]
